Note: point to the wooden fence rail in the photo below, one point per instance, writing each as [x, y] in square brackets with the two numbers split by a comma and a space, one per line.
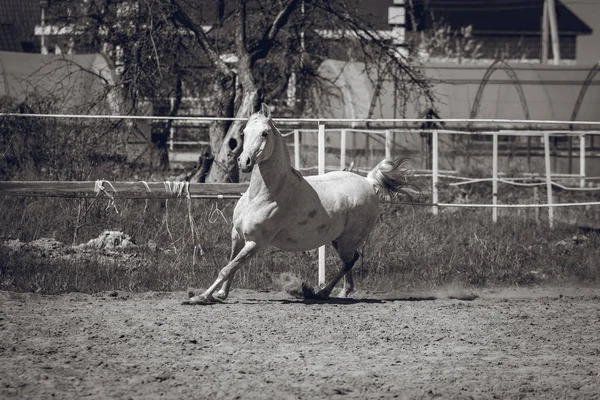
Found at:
[123, 190]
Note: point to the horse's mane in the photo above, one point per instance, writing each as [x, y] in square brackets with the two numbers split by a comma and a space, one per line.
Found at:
[277, 132]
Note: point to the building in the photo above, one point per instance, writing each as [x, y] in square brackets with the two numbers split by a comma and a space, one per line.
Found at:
[76, 83]
[17, 22]
[502, 29]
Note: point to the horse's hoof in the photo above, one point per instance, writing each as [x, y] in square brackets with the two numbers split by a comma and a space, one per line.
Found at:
[344, 294]
[320, 295]
[219, 296]
[201, 300]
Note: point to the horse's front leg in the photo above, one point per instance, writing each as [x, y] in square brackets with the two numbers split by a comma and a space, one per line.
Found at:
[226, 273]
[237, 244]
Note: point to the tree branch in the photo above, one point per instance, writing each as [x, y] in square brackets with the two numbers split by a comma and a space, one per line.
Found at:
[240, 32]
[263, 47]
[201, 38]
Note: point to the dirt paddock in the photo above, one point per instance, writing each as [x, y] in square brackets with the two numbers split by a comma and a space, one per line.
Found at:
[528, 343]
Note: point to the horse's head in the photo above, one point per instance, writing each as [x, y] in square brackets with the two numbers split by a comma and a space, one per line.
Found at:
[258, 139]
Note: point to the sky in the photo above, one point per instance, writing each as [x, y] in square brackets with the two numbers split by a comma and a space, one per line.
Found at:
[588, 46]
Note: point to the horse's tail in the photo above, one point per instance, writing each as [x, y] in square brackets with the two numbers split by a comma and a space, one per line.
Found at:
[389, 177]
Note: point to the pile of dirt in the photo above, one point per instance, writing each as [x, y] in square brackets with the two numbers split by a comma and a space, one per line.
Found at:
[42, 245]
[109, 240]
[108, 244]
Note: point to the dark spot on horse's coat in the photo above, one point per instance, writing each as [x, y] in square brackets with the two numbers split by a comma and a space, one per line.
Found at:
[321, 228]
[312, 214]
[303, 222]
[291, 240]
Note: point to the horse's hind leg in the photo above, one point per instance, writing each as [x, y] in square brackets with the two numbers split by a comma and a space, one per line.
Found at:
[348, 279]
[237, 244]
[348, 284]
[348, 257]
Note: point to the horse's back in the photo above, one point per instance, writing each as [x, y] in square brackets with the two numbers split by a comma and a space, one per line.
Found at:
[343, 186]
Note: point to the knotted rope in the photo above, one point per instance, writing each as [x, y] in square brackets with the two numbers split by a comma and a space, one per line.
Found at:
[214, 213]
[177, 188]
[99, 188]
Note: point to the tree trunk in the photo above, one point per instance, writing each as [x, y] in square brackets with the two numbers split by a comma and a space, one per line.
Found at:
[224, 93]
[225, 167]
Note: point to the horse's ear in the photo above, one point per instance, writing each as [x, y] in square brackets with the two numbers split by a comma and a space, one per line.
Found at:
[265, 110]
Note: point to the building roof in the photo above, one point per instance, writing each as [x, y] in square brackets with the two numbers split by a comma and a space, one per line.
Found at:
[496, 16]
[486, 16]
[75, 83]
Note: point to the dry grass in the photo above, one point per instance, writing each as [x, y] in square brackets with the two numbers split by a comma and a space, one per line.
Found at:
[410, 248]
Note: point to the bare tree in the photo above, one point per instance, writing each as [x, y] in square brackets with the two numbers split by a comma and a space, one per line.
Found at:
[240, 54]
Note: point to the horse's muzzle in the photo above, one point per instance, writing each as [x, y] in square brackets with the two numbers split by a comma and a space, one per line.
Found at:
[245, 165]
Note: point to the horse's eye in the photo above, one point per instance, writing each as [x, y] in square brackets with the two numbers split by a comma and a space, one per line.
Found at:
[265, 133]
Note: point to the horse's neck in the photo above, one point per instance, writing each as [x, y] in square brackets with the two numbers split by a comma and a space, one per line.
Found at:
[275, 176]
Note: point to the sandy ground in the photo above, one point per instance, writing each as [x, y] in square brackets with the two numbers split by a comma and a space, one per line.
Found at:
[529, 343]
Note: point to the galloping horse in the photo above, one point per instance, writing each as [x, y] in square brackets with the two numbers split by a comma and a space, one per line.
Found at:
[293, 213]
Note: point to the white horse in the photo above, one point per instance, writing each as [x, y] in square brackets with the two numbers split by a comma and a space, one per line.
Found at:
[293, 213]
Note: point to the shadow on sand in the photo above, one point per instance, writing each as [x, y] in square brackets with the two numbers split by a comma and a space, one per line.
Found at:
[400, 298]
[342, 301]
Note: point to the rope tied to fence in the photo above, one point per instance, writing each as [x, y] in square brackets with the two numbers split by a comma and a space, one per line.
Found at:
[213, 216]
[178, 188]
[149, 191]
[175, 189]
[146, 186]
[99, 188]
